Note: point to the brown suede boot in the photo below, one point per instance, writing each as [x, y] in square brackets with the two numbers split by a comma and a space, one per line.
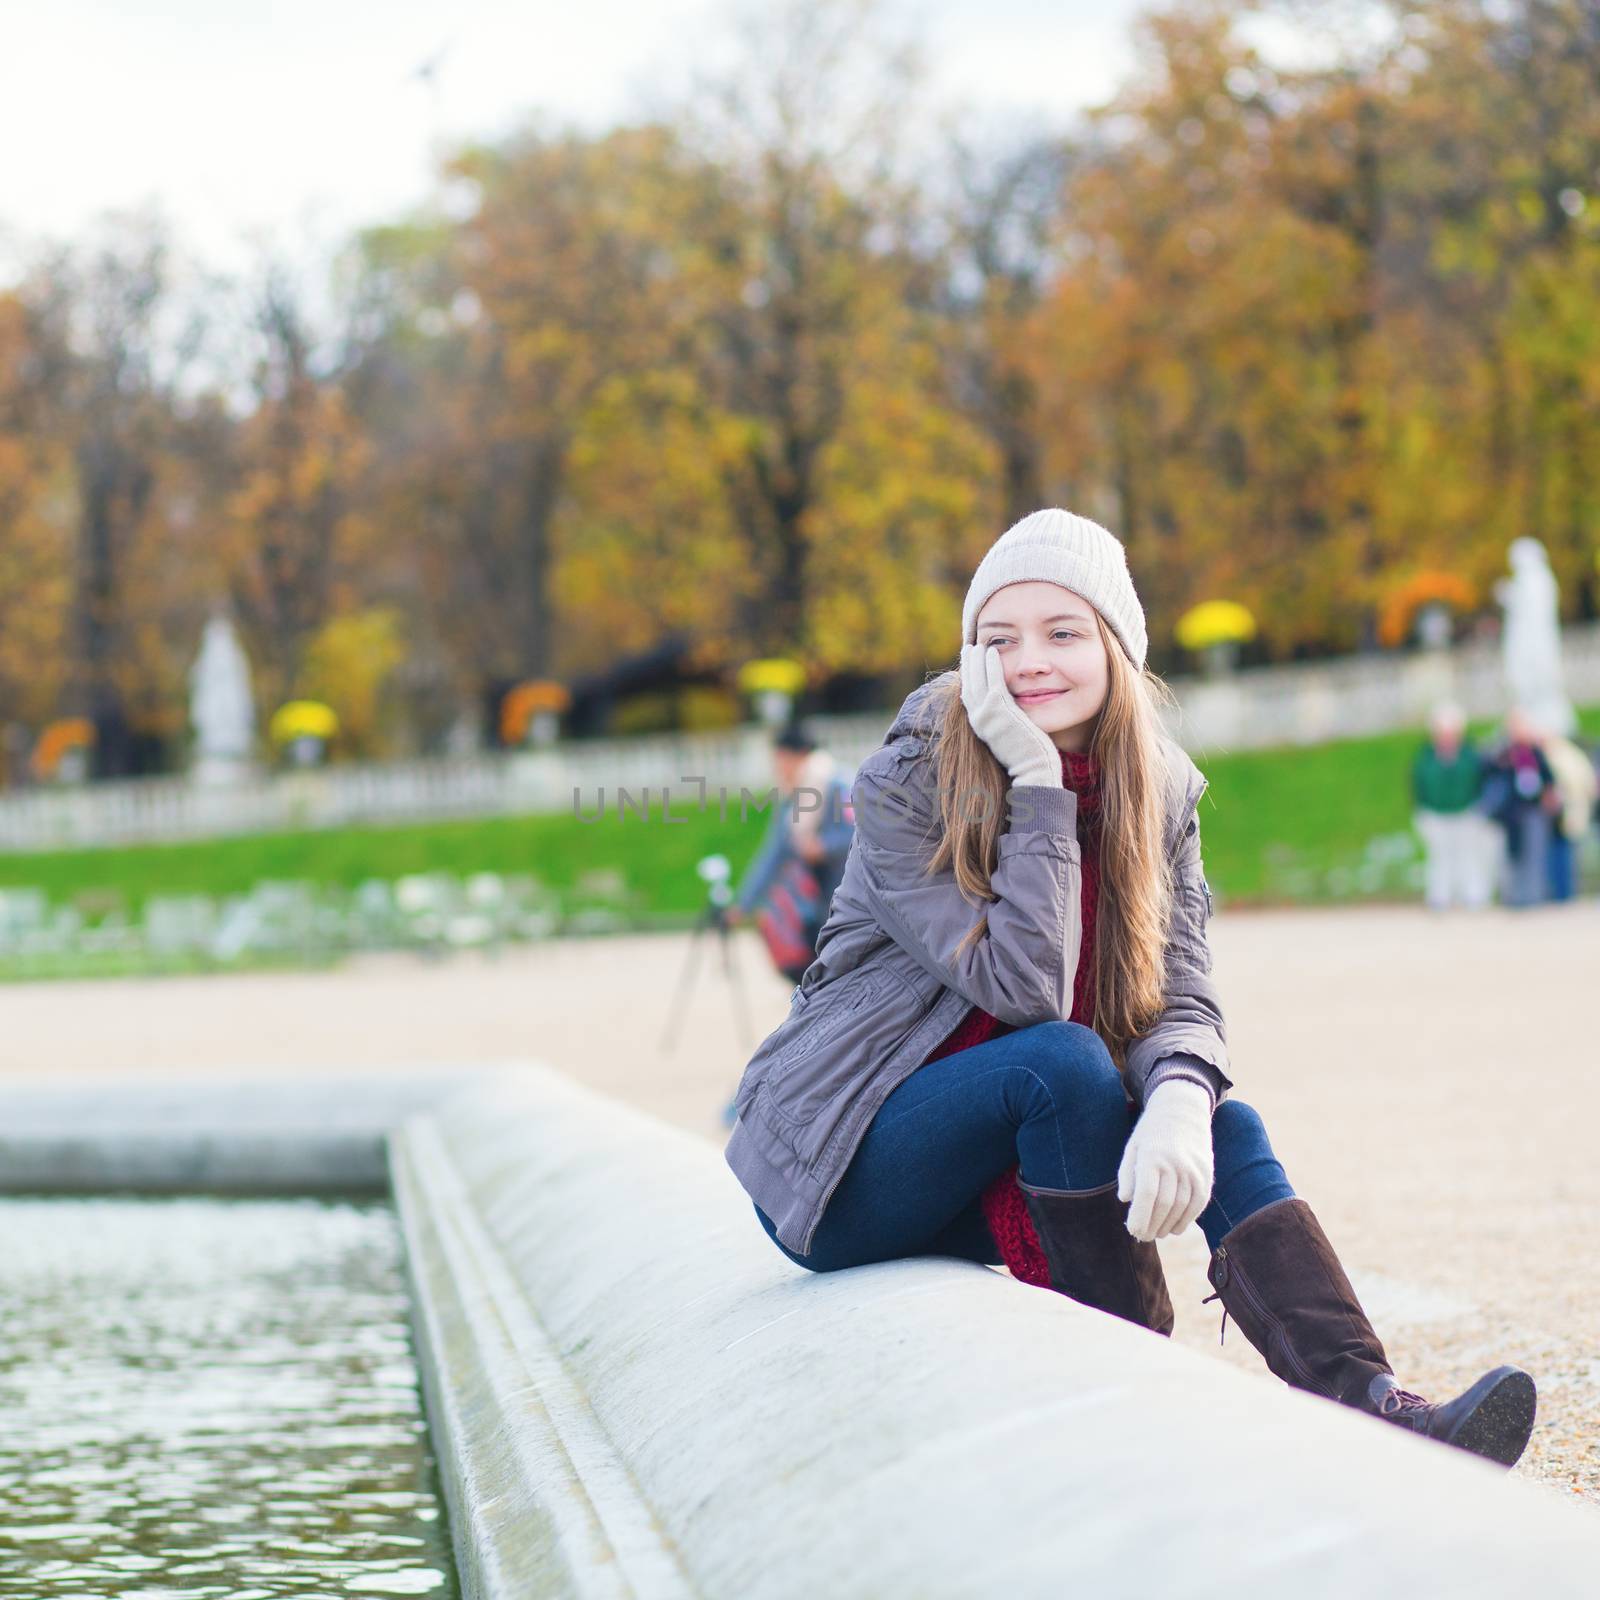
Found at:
[1094, 1259]
[1279, 1279]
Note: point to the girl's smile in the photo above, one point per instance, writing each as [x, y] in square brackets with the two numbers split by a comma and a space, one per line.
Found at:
[1037, 697]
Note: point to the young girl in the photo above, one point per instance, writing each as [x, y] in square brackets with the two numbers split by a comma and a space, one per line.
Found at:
[1009, 1046]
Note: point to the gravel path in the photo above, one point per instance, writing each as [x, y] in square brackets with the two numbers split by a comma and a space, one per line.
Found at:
[1430, 1083]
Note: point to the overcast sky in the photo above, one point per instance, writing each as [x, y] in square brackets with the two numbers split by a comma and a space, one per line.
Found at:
[305, 118]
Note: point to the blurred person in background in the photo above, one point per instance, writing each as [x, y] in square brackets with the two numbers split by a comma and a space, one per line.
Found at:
[787, 888]
[1520, 794]
[1446, 780]
[1575, 786]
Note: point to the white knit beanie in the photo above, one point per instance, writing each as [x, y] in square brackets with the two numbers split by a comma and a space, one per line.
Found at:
[1080, 555]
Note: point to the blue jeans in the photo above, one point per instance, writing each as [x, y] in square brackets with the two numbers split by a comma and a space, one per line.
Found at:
[1561, 867]
[1048, 1099]
[1528, 859]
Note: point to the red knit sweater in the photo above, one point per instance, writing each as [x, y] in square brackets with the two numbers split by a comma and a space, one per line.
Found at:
[1003, 1205]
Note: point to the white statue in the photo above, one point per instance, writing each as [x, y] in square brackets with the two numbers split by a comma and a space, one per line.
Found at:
[1532, 638]
[220, 707]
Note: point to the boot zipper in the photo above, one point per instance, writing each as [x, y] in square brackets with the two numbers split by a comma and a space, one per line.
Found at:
[1248, 1294]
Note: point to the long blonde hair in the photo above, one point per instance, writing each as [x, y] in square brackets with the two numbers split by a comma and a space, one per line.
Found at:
[1135, 889]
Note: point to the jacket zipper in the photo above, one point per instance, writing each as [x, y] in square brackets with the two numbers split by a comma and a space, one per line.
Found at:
[1248, 1294]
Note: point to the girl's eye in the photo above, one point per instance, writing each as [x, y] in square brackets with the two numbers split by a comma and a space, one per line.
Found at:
[1060, 633]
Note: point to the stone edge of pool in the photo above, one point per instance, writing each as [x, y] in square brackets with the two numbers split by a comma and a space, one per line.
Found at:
[244, 1132]
[631, 1393]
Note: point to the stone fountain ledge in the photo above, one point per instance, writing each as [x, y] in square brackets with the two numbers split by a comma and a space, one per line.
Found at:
[633, 1394]
[266, 1133]
[639, 1396]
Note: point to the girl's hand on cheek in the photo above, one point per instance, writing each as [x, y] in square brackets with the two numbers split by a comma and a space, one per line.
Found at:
[1019, 744]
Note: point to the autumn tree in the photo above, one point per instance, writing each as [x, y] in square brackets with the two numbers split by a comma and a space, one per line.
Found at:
[823, 343]
[567, 277]
[1500, 126]
[295, 528]
[121, 342]
[35, 522]
[998, 203]
[1172, 397]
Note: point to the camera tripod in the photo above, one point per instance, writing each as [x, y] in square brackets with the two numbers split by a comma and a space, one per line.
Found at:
[715, 916]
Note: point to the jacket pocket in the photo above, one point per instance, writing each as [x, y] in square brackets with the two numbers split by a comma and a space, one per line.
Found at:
[850, 946]
[1188, 938]
[817, 1019]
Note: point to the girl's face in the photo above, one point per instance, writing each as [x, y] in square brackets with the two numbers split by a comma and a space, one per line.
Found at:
[1054, 658]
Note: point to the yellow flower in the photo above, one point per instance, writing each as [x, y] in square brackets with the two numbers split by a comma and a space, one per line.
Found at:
[303, 719]
[772, 675]
[1215, 622]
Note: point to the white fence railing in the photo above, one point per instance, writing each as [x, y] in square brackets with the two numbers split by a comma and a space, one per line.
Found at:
[1313, 702]
[1302, 704]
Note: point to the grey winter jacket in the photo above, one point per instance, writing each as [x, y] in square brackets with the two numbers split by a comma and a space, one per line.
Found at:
[887, 986]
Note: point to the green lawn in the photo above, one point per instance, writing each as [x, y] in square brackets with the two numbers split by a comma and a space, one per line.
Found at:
[657, 859]
[1311, 824]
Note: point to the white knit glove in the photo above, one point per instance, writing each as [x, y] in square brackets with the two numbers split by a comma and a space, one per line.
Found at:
[1166, 1165]
[1020, 745]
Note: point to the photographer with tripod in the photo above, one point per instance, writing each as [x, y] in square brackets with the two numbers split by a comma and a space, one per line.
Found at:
[787, 889]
